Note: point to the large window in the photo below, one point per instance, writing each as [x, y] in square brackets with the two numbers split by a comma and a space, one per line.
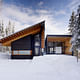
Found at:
[58, 50]
[37, 44]
[54, 47]
[51, 50]
[37, 40]
[50, 44]
[22, 52]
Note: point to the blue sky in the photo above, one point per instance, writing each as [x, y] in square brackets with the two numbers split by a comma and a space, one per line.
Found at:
[24, 13]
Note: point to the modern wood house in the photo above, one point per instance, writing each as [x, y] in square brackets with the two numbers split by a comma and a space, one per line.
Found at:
[26, 43]
[58, 44]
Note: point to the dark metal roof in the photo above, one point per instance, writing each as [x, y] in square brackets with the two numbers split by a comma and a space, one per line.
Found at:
[59, 35]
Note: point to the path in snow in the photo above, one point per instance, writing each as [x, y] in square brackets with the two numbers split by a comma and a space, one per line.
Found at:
[48, 67]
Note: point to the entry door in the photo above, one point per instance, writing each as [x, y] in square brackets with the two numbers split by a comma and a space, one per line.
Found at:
[58, 50]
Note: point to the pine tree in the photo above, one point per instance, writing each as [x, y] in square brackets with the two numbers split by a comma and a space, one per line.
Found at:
[74, 28]
[2, 29]
[9, 29]
[6, 31]
[13, 29]
[1, 34]
[78, 28]
[71, 22]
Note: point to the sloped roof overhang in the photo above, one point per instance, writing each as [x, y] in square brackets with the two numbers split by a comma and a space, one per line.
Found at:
[6, 41]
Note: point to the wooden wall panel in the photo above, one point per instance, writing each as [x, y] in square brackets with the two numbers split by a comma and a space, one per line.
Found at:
[68, 46]
[42, 38]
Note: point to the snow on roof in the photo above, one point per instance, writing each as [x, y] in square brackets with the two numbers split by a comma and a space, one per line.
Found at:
[23, 29]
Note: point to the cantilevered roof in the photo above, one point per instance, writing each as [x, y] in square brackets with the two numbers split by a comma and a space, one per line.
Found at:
[6, 41]
[58, 37]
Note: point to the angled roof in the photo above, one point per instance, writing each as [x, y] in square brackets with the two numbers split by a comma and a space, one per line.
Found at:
[6, 41]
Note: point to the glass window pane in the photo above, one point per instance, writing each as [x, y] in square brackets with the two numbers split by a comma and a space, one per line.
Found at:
[51, 50]
[15, 52]
[24, 52]
[36, 51]
[37, 37]
[37, 43]
[50, 43]
[58, 50]
[27, 52]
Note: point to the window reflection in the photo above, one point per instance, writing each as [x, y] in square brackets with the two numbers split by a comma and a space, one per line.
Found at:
[37, 43]
[37, 40]
[24, 52]
[15, 52]
[36, 51]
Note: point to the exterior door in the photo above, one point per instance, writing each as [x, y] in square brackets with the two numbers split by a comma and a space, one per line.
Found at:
[58, 50]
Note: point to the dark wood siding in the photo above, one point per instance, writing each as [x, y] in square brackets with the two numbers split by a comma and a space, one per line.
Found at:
[22, 44]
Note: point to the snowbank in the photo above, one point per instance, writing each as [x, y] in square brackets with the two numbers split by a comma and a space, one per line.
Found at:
[48, 67]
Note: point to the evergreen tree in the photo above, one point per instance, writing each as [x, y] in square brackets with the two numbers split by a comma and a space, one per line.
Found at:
[71, 22]
[9, 29]
[13, 29]
[6, 32]
[78, 28]
[74, 28]
[2, 31]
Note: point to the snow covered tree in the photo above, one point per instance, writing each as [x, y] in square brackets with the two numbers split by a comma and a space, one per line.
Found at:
[6, 32]
[1, 34]
[13, 28]
[78, 29]
[1, 30]
[9, 29]
[71, 22]
[74, 28]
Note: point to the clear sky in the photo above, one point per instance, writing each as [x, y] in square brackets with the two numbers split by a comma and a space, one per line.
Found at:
[24, 13]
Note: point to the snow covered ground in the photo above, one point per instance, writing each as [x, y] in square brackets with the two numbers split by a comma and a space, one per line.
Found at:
[48, 67]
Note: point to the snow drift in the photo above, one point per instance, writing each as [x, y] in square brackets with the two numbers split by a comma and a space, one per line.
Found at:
[47, 67]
